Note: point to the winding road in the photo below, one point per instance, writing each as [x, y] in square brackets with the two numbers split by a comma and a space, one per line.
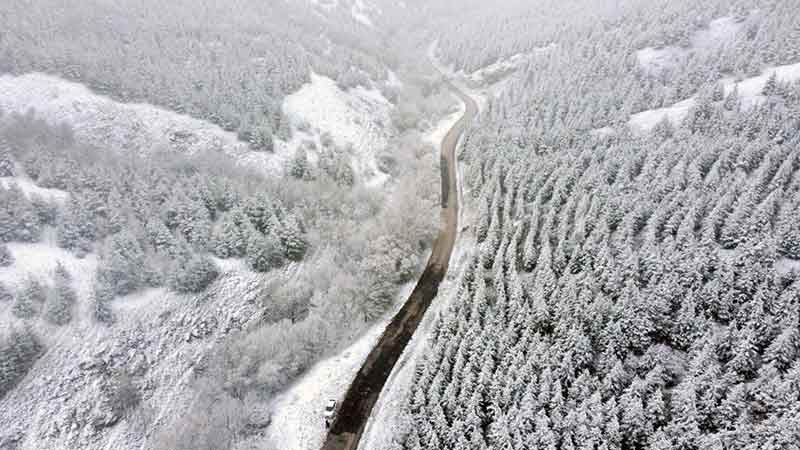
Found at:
[348, 426]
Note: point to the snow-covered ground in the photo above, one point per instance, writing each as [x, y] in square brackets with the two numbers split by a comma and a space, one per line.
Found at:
[786, 266]
[501, 68]
[647, 120]
[719, 31]
[31, 189]
[750, 89]
[357, 121]
[436, 135]
[360, 13]
[656, 60]
[39, 260]
[481, 96]
[749, 95]
[602, 132]
[360, 10]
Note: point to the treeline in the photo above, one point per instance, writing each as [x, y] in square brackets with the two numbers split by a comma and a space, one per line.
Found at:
[627, 291]
[229, 65]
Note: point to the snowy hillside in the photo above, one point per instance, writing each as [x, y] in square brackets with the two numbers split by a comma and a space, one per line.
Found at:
[161, 341]
[357, 121]
[749, 93]
[716, 34]
[105, 123]
[362, 11]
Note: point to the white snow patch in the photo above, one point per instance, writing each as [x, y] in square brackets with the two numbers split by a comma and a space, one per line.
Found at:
[460, 80]
[327, 5]
[786, 266]
[297, 423]
[503, 67]
[357, 121]
[40, 259]
[499, 68]
[647, 120]
[749, 96]
[603, 132]
[393, 80]
[718, 32]
[31, 189]
[436, 135]
[751, 88]
[656, 60]
[105, 123]
[360, 13]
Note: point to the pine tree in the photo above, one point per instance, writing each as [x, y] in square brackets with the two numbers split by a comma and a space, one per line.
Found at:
[6, 295]
[193, 221]
[291, 236]
[60, 299]
[264, 252]
[18, 220]
[259, 210]
[230, 236]
[30, 299]
[299, 166]
[6, 162]
[783, 351]
[6, 258]
[193, 274]
[159, 236]
[122, 260]
[102, 295]
[75, 226]
[771, 86]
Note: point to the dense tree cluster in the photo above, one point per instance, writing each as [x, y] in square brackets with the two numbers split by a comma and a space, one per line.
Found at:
[627, 291]
[145, 217]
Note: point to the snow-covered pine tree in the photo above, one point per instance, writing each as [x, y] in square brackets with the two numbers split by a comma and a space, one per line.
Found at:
[61, 298]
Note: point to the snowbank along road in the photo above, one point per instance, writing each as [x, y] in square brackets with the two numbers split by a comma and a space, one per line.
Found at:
[361, 396]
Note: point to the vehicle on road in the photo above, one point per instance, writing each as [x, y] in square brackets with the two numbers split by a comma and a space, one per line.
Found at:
[329, 412]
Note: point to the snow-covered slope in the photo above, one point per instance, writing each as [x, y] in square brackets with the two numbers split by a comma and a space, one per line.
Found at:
[502, 68]
[719, 32]
[362, 11]
[31, 189]
[105, 123]
[749, 91]
[357, 120]
[160, 340]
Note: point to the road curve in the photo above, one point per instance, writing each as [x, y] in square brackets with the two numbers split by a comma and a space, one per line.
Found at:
[356, 407]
